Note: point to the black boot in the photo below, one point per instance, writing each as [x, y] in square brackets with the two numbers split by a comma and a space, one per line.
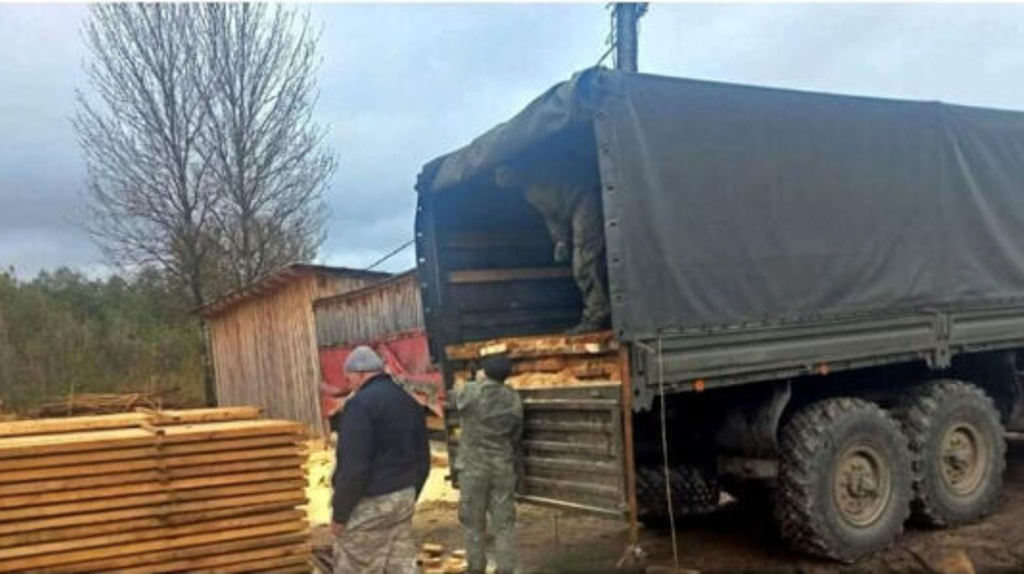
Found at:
[589, 326]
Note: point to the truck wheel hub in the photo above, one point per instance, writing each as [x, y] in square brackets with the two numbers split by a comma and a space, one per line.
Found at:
[963, 459]
[861, 484]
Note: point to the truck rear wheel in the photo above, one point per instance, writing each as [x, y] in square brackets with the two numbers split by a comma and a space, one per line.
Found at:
[958, 452]
[695, 492]
[844, 479]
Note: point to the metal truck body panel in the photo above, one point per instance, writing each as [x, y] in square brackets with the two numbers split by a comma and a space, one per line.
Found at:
[753, 235]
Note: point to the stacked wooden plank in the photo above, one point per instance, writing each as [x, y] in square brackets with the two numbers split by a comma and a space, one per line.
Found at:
[170, 491]
[544, 361]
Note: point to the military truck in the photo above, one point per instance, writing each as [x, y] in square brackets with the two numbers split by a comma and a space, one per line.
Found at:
[817, 303]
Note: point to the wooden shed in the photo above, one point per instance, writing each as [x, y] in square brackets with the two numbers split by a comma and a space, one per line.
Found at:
[388, 317]
[379, 311]
[263, 339]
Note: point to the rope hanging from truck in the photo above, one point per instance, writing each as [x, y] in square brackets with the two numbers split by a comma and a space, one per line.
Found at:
[664, 455]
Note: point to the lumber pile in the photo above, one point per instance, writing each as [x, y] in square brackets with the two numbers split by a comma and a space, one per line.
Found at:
[544, 361]
[210, 490]
[107, 403]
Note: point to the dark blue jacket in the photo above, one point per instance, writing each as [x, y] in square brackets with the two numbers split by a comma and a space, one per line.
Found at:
[382, 445]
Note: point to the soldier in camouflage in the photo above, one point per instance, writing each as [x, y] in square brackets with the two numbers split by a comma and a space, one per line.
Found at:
[569, 203]
[491, 416]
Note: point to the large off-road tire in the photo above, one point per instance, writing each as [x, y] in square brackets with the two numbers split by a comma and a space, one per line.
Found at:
[695, 492]
[844, 479]
[958, 452]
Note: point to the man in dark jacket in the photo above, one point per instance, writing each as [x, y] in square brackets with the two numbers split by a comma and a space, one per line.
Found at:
[383, 461]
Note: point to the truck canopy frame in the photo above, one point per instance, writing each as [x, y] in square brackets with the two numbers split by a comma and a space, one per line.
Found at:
[752, 233]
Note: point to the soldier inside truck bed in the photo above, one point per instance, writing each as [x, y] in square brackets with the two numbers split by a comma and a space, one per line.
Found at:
[566, 196]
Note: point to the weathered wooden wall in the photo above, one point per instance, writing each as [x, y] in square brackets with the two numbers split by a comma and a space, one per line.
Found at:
[264, 348]
[378, 311]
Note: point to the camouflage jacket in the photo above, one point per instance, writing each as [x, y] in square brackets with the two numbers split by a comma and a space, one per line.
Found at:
[491, 418]
[569, 205]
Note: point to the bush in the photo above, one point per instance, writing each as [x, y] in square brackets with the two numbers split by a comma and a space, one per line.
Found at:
[62, 332]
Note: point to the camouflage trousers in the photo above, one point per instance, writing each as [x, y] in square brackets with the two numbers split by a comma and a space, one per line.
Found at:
[378, 536]
[484, 493]
[588, 263]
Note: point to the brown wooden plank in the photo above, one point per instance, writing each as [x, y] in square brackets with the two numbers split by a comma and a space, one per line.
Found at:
[32, 461]
[142, 417]
[21, 446]
[291, 496]
[79, 470]
[164, 532]
[502, 275]
[28, 459]
[251, 452]
[536, 346]
[231, 429]
[94, 479]
[72, 424]
[75, 483]
[299, 550]
[118, 490]
[170, 555]
[148, 499]
[229, 445]
[295, 463]
[209, 415]
[239, 478]
[281, 565]
[50, 560]
[72, 468]
[99, 525]
[36, 445]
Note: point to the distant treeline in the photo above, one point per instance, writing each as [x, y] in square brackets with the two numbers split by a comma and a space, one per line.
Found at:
[62, 332]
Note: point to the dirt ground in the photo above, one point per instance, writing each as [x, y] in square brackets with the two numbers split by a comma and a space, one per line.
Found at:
[736, 539]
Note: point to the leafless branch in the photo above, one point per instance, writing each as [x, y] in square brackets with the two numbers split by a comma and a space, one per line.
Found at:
[268, 158]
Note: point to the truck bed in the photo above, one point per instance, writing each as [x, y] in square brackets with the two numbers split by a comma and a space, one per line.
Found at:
[574, 424]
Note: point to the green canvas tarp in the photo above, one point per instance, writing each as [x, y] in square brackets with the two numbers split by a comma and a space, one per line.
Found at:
[731, 205]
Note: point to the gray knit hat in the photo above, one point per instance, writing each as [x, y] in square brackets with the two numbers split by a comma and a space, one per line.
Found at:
[362, 359]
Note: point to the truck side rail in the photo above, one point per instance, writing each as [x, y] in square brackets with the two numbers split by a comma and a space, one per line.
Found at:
[731, 356]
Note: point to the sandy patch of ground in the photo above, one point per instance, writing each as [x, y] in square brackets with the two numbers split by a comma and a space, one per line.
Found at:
[735, 539]
[437, 492]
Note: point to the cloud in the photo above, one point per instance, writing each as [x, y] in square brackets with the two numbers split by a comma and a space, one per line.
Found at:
[402, 84]
[40, 169]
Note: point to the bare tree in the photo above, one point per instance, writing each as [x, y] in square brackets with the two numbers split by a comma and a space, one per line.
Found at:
[148, 172]
[268, 158]
[152, 202]
[203, 157]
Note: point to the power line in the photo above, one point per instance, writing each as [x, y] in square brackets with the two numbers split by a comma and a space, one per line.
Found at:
[391, 254]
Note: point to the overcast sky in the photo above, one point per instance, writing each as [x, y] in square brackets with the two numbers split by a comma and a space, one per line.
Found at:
[403, 84]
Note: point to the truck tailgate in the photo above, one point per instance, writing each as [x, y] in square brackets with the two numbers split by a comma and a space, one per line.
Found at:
[574, 427]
